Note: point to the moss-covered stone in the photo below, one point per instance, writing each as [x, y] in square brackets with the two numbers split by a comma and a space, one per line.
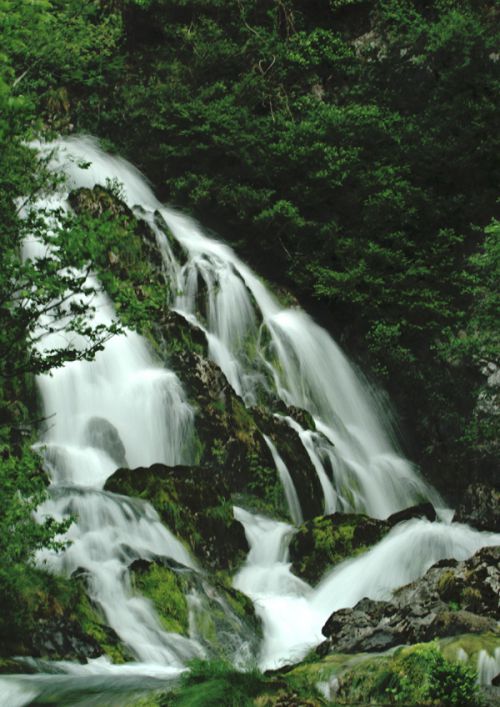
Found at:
[206, 608]
[423, 674]
[166, 590]
[63, 623]
[193, 503]
[417, 675]
[323, 542]
[232, 439]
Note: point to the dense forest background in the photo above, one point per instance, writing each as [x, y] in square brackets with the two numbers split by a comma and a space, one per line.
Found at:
[348, 150]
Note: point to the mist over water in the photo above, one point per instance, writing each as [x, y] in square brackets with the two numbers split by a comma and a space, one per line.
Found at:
[124, 409]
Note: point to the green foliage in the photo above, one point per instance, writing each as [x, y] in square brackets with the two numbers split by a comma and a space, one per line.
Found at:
[214, 683]
[419, 675]
[23, 485]
[352, 159]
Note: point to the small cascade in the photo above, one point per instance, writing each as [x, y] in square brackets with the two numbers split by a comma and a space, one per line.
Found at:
[281, 599]
[488, 667]
[291, 496]
[293, 613]
[318, 449]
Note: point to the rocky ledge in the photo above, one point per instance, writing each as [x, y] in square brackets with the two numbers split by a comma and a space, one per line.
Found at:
[452, 598]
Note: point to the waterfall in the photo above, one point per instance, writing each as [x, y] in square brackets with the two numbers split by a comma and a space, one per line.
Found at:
[268, 351]
[124, 409]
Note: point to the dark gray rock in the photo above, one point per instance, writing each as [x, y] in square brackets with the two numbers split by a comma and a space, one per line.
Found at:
[422, 510]
[480, 508]
[102, 434]
[451, 599]
[64, 638]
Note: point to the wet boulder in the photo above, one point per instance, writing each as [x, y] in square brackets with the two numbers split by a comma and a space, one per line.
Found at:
[193, 502]
[323, 542]
[103, 435]
[421, 510]
[231, 437]
[195, 605]
[63, 623]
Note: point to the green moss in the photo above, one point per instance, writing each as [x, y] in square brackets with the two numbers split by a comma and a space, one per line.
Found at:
[327, 540]
[223, 618]
[418, 675]
[449, 589]
[93, 625]
[64, 600]
[166, 590]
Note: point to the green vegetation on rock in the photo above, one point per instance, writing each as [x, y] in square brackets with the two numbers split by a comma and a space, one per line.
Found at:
[166, 590]
[419, 675]
[206, 608]
[323, 542]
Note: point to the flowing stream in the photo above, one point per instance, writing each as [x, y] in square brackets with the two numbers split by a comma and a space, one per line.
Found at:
[124, 409]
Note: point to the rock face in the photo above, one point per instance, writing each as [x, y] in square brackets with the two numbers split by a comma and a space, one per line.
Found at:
[66, 625]
[63, 638]
[232, 437]
[480, 508]
[452, 598]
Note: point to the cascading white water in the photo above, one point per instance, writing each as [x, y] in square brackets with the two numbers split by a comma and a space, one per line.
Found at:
[122, 408]
[266, 352]
[293, 613]
[488, 666]
[291, 496]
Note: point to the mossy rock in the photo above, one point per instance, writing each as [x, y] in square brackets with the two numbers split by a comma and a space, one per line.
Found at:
[323, 542]
[206, 608]
[193, 501]
[231, 435]
[63, 624]
[468, 646]
[414, 675]
[166, 589]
